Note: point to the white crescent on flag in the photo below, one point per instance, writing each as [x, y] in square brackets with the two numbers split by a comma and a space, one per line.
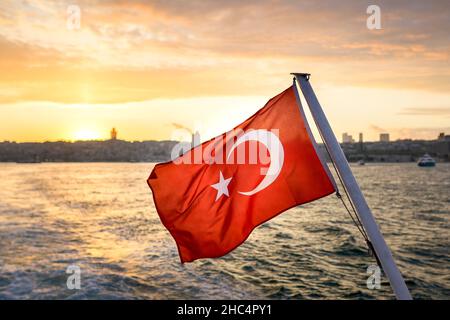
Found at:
[275, 147]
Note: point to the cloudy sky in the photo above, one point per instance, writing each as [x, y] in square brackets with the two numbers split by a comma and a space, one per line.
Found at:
[143, 66]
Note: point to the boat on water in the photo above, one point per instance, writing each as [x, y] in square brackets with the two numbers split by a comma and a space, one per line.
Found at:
[426, 161]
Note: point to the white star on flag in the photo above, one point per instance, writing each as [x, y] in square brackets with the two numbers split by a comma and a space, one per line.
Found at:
[221, 186]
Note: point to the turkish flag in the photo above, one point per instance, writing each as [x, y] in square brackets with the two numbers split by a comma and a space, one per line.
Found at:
[213, 196]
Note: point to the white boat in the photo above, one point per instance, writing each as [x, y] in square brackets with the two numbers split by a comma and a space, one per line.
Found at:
[426, 161]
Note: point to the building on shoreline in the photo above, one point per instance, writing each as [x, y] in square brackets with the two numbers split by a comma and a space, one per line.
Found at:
[384, 137]
[442, 147]
[347, 138]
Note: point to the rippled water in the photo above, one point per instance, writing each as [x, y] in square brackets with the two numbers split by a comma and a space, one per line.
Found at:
[100, 217]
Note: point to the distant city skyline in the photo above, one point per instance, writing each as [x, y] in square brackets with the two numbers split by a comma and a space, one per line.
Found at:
[196, 138]
[114, 149]
[142, 66]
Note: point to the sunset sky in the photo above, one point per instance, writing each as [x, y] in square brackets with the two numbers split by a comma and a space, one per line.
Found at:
[147, 67]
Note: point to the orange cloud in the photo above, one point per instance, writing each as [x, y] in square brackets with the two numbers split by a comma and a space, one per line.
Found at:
[128, 51]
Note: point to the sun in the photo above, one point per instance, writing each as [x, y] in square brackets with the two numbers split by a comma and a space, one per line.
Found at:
[86, 134]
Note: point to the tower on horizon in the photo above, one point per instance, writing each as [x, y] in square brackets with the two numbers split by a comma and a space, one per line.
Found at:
[361, 142]
[384, 137]
[113, 134]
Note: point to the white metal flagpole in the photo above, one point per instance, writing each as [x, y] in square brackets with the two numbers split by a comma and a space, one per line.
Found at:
[368, 221]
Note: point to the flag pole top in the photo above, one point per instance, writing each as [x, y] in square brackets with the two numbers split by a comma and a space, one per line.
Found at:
[299, 74]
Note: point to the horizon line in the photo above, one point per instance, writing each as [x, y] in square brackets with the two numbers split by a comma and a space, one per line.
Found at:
[168, 140]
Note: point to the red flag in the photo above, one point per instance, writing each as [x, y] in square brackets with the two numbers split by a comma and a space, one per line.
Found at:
[211, 198]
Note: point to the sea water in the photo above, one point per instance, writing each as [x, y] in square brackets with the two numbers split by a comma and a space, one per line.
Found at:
[99, 220]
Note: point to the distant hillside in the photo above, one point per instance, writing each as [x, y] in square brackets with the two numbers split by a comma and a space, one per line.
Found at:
[158, 151]
[86, 151]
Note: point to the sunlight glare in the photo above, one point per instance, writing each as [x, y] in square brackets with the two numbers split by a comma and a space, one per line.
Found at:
[86, 134]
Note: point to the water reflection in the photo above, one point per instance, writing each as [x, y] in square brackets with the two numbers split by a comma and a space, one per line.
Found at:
[55, 215]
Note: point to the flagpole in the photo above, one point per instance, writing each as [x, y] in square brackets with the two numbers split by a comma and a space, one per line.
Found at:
[367, 219]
